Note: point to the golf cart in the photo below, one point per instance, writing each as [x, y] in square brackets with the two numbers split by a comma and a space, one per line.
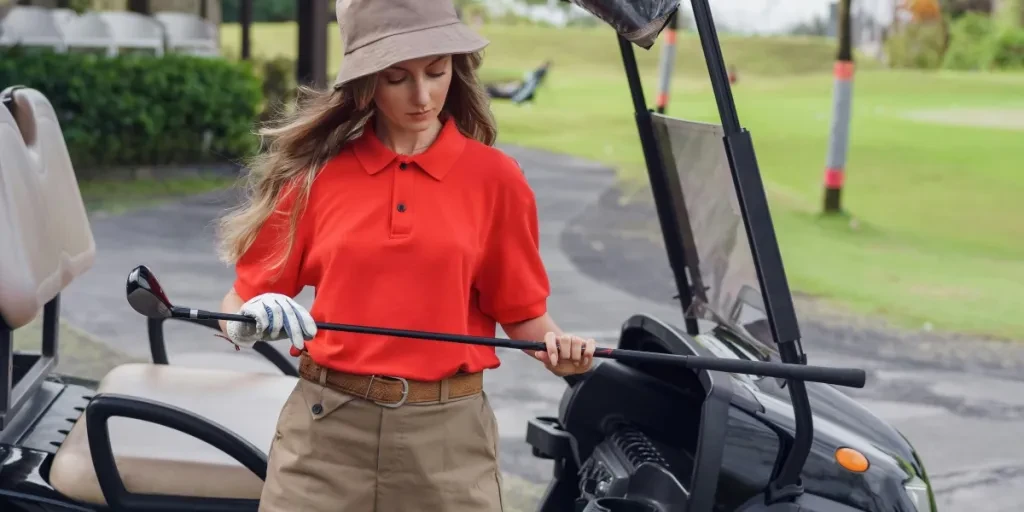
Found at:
[721, 414]
[519, 91]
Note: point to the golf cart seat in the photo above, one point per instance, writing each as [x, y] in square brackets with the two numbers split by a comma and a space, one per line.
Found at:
[172, 433]
[154, 459]
[46, 239]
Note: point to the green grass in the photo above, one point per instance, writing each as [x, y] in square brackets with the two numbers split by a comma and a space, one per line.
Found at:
[119, 195]
[937, 235]
[935, 205]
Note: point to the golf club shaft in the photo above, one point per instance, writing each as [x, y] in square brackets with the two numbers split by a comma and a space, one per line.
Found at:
[401, 333]
[848, 377]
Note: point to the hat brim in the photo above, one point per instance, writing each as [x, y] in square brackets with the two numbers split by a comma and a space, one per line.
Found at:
[454, 38]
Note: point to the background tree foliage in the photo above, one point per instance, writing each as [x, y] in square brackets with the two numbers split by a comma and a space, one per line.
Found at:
[973, 35]
[262, 10]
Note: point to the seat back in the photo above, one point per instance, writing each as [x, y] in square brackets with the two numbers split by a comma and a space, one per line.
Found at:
[185, 26]
[89, 31]
[46, 238]
[63, 16]
[188, 33]
[134, 31]
[27, 25]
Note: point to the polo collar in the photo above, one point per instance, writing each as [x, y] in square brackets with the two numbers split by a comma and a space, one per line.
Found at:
[436, 161]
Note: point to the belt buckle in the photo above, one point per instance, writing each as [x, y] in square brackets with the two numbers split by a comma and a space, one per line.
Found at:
[405, 392]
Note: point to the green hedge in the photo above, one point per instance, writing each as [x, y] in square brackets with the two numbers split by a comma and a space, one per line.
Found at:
[978, 43]
[970, 42]
[279, 84]
[916, 46]
[143, 110]
[1008, 52]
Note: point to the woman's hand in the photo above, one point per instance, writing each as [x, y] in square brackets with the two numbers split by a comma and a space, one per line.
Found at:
[566, 354]
[277, 317]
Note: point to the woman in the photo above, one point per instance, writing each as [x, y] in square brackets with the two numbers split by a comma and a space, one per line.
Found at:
[384, 194]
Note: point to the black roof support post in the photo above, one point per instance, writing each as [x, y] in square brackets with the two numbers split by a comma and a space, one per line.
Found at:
[786, 483]
[660, 185]
[245, 20]
[311, 65]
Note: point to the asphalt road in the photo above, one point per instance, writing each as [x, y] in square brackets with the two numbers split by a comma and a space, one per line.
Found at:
[963, 413]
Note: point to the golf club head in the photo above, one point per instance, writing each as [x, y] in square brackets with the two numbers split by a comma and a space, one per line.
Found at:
[145, 294]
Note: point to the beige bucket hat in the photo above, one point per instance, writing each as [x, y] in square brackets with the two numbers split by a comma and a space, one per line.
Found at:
[379, 33]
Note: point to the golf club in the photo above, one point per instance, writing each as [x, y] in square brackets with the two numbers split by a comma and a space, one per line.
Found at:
[147, 297]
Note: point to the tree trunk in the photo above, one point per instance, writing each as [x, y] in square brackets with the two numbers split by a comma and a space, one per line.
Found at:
[140, 6]
[1008, 13]
[844, 30]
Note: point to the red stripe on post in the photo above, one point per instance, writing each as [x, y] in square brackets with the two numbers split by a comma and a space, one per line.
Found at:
[670, 36]
[834, 178]
[662, 99]
[843, 70]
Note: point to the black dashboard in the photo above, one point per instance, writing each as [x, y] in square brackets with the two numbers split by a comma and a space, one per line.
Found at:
[635, 438]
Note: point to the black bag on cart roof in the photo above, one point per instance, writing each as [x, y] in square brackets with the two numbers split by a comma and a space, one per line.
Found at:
[640, 22]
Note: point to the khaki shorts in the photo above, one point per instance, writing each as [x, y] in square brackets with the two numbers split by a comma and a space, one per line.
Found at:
[357, 456]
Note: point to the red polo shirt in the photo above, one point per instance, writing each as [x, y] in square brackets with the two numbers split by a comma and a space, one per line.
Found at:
[443, 241]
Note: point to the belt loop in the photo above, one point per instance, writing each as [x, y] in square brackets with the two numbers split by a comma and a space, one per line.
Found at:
[323, 376]
[444, 390]
[369, 388]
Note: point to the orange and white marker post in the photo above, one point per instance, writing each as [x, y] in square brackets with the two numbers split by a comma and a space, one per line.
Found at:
[668, 59]
[839, 133]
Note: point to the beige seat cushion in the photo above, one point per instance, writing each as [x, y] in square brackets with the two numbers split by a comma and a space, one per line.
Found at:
[245, 361]
[154, 459]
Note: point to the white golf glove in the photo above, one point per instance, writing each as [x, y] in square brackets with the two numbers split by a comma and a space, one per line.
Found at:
[277, 317]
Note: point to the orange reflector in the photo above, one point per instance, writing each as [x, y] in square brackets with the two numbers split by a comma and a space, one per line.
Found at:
[852, 460]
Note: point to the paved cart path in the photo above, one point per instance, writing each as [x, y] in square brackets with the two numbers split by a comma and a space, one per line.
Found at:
[968, 429]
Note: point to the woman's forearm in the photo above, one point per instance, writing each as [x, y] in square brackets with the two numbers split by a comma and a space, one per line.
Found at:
[532, 330]
[564, 354]
[231, 304]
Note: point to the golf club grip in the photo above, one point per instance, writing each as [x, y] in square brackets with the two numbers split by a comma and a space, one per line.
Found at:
[848, 377]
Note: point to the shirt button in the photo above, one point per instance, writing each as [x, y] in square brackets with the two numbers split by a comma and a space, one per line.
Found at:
[403, 165]
[401, 207]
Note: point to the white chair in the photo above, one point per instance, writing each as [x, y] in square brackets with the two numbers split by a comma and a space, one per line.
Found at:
[62, 16]
[89, 32]
[31, 26]
[188, 33]
[134, 31]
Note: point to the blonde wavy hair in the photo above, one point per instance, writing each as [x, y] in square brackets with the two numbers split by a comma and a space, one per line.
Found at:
[298, 143]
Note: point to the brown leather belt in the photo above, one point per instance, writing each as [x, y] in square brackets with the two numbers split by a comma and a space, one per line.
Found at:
[393, 391]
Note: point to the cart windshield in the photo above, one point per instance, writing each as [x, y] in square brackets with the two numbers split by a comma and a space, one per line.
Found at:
[724, 281]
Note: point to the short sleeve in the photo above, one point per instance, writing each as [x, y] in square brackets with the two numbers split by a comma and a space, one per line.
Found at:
[254, 270]
[512, 282]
